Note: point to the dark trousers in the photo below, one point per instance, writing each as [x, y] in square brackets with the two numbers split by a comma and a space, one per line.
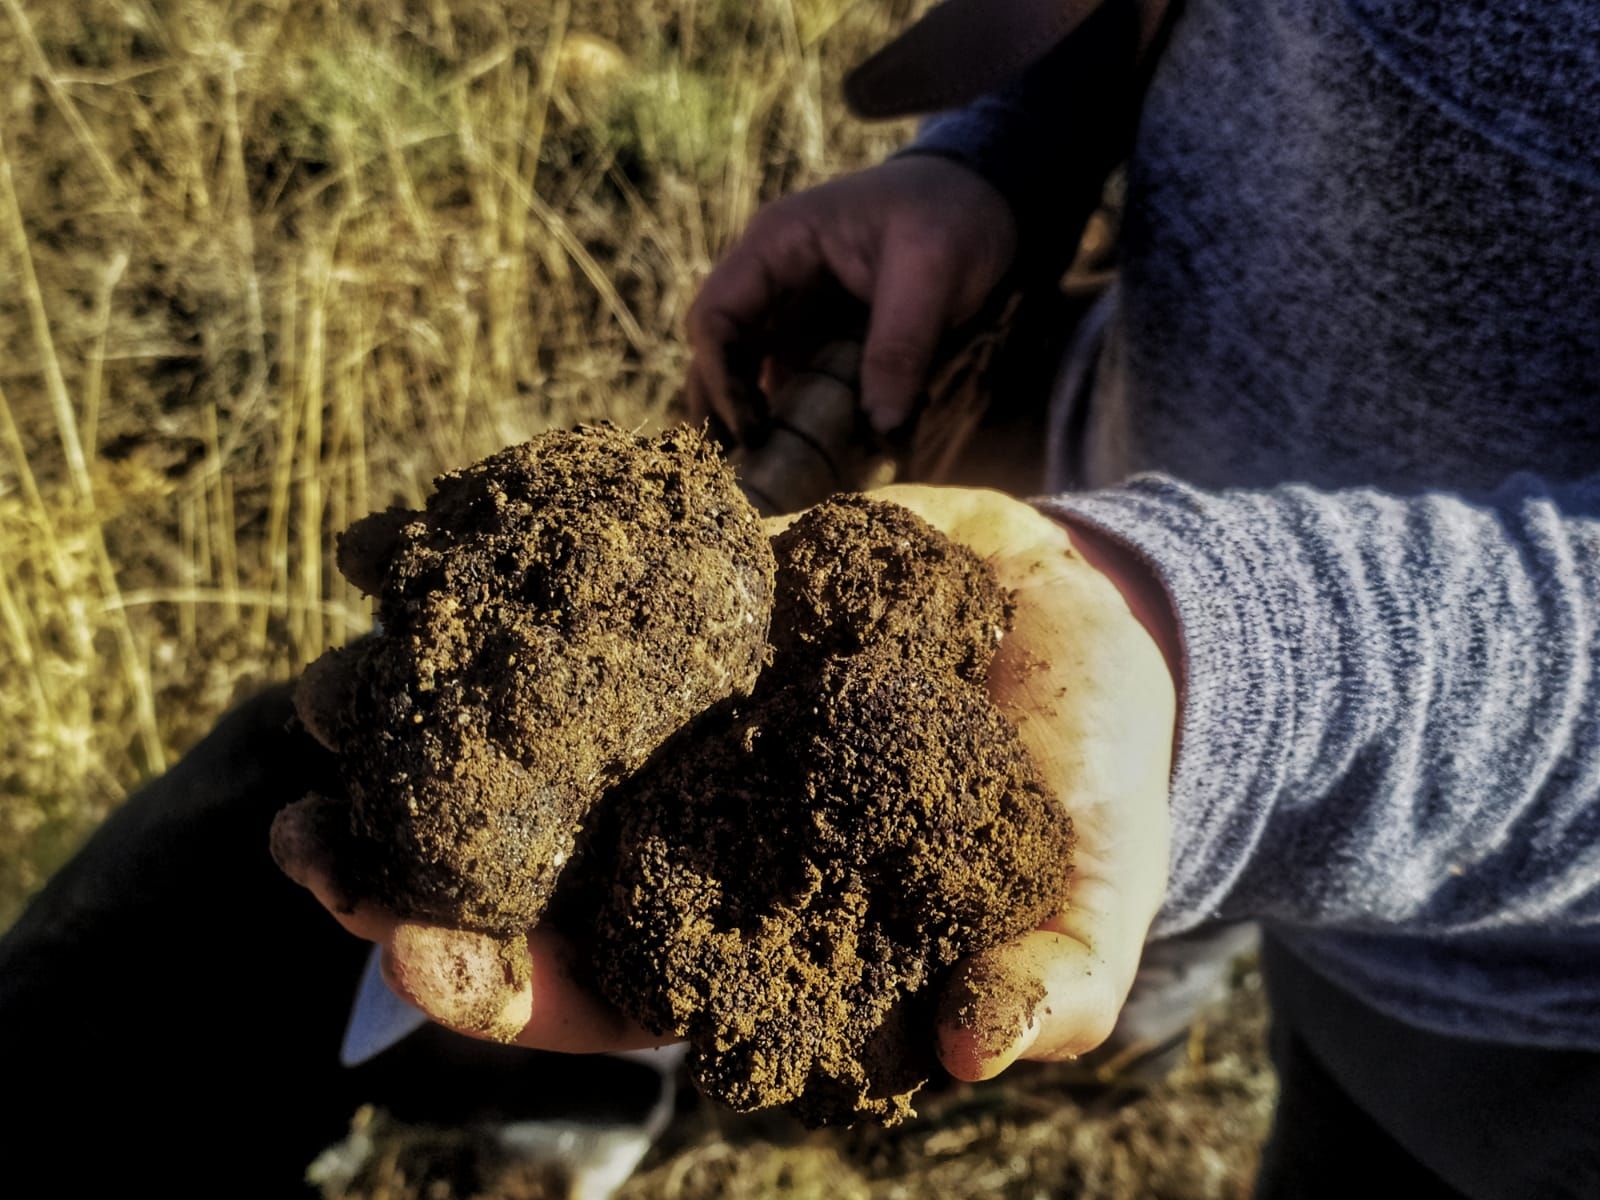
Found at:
[1370, 1106]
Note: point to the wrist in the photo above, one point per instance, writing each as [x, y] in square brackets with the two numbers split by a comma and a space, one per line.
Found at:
[1141, 588]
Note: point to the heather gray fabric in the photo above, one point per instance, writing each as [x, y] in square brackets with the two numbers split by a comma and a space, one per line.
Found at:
[1359, 320]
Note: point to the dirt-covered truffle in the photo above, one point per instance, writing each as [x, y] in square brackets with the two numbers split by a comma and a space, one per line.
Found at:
[795, 873]
[856, 573]
[555, 613]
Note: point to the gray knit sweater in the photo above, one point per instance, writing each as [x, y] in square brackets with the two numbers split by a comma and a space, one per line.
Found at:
[1353, 386]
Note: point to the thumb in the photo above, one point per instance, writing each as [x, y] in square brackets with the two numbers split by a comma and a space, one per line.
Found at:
[1046, 995]
[1056, 991]
[911, 300]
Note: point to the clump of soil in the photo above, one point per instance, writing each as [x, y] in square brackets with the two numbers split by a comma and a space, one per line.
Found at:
[556, 612]
[979, 998]
[787, 861]
[794, 874]
[858, 574]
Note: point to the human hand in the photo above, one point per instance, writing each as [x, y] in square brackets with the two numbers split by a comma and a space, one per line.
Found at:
[1087, 675]
[921, 240]
[460, 979]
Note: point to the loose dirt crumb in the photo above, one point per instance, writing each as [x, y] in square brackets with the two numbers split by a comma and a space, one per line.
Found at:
[992, 1004]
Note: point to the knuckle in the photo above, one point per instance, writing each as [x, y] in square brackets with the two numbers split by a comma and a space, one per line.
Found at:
[770, 222]
[792, 247]
[927, 235]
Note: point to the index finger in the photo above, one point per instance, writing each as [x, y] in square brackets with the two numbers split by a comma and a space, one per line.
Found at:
[727, 322]
[910, 305]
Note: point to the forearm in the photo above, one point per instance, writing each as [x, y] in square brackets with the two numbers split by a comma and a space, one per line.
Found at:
[1391, 716]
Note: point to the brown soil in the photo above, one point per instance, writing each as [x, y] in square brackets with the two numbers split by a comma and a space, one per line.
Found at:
[555, 613]
[988, 1002]
[789, 877]
[873, 818]
[859, 573]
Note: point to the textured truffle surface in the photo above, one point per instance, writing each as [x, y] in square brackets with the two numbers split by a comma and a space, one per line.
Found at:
[795, 872]
[554, 614]
[857, 573]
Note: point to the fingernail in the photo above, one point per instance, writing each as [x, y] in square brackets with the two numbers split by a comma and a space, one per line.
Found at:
[294, 844]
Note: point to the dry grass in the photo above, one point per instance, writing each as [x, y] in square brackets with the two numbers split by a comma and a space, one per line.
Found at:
[1036, 1132]
[271, 265]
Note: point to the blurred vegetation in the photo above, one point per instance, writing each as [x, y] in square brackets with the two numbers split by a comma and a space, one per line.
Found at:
[1039, 1131]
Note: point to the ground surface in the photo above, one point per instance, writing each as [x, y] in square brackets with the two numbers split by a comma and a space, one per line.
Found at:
[275, 265]
[1041, 1131]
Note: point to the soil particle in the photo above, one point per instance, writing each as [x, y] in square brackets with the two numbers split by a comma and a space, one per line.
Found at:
[795, 874]
[992, 1004]
[555, 613]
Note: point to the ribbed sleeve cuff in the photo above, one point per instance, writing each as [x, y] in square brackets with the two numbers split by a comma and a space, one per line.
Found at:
[976, 139]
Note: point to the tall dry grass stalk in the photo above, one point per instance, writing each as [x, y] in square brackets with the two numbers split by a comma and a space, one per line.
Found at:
[265, 267]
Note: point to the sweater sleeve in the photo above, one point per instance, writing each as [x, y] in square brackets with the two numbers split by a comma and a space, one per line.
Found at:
[1391, 718]
[1049, 138]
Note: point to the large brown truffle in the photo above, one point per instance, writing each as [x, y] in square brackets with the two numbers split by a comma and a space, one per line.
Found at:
[555, 613]
[795, 873]
[856, 573]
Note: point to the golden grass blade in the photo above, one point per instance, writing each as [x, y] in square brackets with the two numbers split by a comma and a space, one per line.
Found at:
[55, 381]
[64, 103]
[94, 385]
[245, 251]
[222, 532]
